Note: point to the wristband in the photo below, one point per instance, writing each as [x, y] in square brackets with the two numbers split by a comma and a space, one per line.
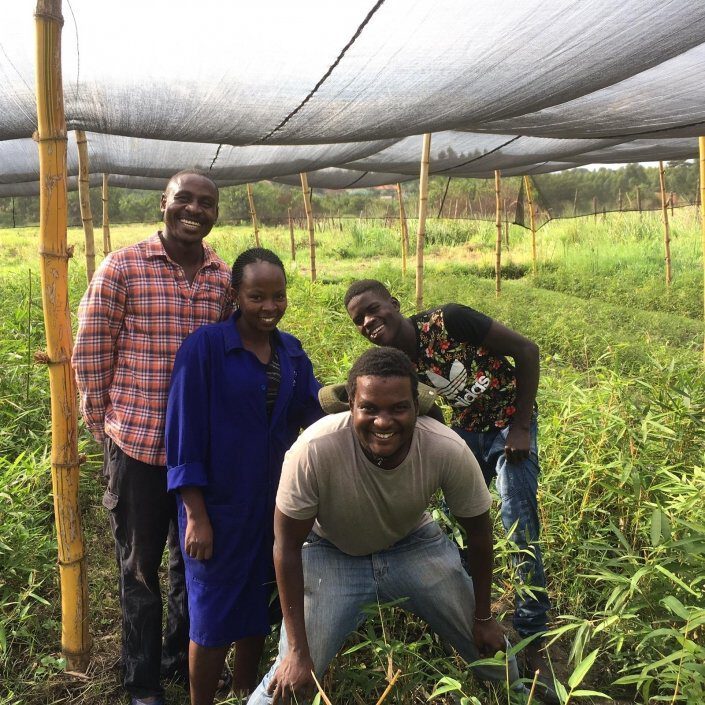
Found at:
[483, 619]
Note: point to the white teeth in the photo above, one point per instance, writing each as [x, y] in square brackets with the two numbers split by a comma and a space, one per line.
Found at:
[376, 331]
[191, 223]
[384, 435]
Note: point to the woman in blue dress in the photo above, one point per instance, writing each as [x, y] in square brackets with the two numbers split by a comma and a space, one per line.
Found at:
[241, 390]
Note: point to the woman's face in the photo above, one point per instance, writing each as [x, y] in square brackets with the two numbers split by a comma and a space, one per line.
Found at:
[261, 297]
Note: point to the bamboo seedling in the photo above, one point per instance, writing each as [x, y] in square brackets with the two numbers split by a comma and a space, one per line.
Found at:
[105, 197]
[51, 139]
[423, 208]
[253, 213]
[666, 227]
[84, 197]
[498, 243]
[310, 223]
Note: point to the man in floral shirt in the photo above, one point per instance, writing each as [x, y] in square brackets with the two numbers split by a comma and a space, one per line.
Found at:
[461, 352]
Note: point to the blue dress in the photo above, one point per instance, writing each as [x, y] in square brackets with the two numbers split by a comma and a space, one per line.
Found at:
[220, 438]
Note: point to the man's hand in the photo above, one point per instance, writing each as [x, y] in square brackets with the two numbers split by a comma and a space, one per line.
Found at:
[198, 541]
[294, 676]
[489, 637]
[518, 444]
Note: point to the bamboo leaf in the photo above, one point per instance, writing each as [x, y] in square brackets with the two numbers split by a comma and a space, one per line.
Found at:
[656, 527]
[676, 606]
[582, 668]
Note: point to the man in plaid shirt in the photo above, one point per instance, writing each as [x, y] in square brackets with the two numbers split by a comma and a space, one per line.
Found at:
[142, 302]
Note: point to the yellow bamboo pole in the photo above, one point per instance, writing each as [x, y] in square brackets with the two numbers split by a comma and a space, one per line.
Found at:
[423, 209]
[701, 145]
[666, 227]
[404, 230]
[498, 243]
[310, 223]
[51, 139]
[292, 241]
[253, 213]
[532, 222]
[105, 197]
[84, 197]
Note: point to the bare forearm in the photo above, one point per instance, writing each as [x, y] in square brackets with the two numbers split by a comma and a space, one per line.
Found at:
[290, 581]
[193, 502]
[527, 380]
[480, 558]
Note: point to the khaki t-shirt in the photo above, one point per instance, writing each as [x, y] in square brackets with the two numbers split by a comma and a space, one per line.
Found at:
[362, 508]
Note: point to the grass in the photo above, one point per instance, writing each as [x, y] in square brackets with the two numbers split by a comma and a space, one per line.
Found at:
[622, 400]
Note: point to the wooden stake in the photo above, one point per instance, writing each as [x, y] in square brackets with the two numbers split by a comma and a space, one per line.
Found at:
[84, 197]
[532, 222]
[310, 223]
[506, 223]
[498, 243]
[253, 214]
[292, 241]
[701, 145]
[51, 139]
[389, 687]
[404, 230]
[666, 228]
[423, 208]
[105, 197]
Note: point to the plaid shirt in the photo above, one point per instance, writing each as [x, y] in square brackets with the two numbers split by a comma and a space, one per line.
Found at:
[136, 312]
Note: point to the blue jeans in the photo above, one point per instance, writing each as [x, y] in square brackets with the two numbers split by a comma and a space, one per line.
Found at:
[424, 567]
[517, 484]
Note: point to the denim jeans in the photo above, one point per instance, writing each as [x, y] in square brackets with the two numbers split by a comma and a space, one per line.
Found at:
[517, 484]
[143, 521]
[424, 568]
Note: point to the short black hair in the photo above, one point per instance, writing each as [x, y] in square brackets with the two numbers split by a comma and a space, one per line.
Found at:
[382, 362]
[363, 285]
[195, 172]
[254, 254]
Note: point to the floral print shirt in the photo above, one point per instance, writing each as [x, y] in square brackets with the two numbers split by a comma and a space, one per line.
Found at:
[479, 386]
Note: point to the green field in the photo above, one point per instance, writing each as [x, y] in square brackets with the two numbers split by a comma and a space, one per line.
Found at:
[622, 445]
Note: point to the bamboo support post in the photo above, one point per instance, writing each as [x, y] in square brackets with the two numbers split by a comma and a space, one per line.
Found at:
[506, 223]
[51, 139]
[253, 214]
[292, 241]
[532, 222]
[498, 243]
[701, 145]
[84, 197]
[310, 223]
[105, 197]
[404, 231]
[666, 227]
[423, 209]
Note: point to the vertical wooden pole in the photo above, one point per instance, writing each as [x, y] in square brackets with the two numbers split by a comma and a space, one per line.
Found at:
[498, 243]
[506, 223]
[292, 241]
[310, 223]
[404, 230]
[532, 222]
[253, 214]
[105, 197]
[423, 209]
[51, 139]
[666, 227]
[701, 145]
[84, 197]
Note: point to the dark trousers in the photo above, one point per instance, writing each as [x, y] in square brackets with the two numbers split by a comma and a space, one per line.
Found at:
[143, 521]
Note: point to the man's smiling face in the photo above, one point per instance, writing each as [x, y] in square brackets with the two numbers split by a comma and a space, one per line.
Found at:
[377, 317]
[384, 417]
[190, 208]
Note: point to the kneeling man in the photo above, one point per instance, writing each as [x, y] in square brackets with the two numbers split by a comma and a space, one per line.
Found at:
[351, 528]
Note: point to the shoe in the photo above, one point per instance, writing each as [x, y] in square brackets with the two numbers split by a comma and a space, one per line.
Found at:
[157, 700]
[533, 660]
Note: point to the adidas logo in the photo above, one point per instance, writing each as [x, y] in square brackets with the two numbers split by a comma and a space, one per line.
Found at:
[455, 389]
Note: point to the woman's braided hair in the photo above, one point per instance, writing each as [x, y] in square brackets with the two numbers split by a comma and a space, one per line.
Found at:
[254, 254]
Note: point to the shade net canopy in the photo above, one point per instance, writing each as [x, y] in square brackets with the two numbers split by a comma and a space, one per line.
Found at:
[276, 73]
